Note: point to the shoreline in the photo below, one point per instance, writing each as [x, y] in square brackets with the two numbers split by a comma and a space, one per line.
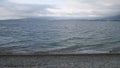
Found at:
[54, 54]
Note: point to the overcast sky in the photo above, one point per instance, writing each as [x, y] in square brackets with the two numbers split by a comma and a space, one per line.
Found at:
[13, 9]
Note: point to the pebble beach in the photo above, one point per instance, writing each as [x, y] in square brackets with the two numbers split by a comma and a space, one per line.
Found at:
[61, 61]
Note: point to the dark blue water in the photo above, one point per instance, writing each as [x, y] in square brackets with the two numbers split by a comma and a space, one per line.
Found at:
[60, 36]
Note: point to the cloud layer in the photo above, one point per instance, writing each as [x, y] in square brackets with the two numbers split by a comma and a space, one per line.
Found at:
[12, 9]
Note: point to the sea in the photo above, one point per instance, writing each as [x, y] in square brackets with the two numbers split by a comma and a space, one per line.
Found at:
[59, 36]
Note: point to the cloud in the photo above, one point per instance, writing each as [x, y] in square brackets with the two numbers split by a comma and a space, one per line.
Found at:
[59, 8]
[11, 10]
[86, 8]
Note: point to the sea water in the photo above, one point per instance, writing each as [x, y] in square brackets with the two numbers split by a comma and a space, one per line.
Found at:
[65, 36]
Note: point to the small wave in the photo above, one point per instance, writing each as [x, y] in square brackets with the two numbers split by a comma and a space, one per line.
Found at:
[91, 51]
[79, 47]
[115, 50]
[114, 42]
[67, 40]
[76, 38]
[14, 42]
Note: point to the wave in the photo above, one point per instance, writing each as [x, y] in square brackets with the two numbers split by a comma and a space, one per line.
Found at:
[66, 46]
[13, 42]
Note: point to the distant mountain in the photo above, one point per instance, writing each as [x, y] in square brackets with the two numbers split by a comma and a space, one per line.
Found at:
[117, 17]
[31, 19]
[114, 18]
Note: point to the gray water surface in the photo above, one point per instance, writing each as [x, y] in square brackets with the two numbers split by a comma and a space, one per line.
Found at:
[60, 36]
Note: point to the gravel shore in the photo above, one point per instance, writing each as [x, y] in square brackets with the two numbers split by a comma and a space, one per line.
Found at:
[60, 61]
